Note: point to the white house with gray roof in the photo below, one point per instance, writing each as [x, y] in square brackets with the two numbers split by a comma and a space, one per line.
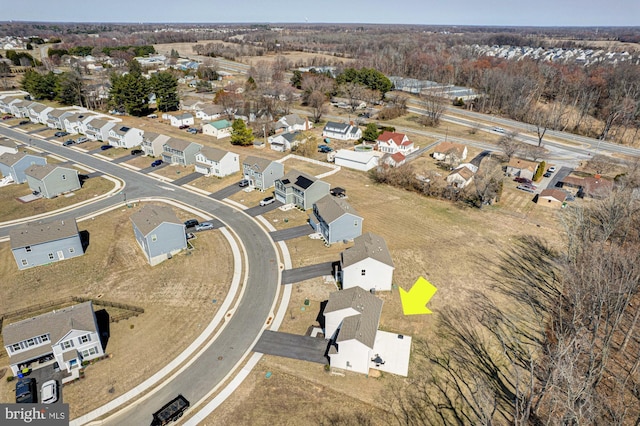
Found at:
[75, 123]
[362, 161]
[6, 102]
[180, 151]
[45, 241]
[300, 189]
[70, 335]
[342, 131]
[51, 180]
[219, 129]
[14, 165]
[177, 120]
[125, 137]
[21, 108]
[335, 219]
[152, 143]
[217, 162]
[292, 123]
[209, 112]
[55, 118]
[261, 173]
[159, 232]
[351, 323]
[367, 264]
[38, 112]
[282, 142]
[98, 129]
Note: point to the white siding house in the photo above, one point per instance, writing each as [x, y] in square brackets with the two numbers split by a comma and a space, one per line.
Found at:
[356, 160]
[125, 137]
[219, 129]
[159, 233]
[177, 120]
[342, 131]
[367, 264]
[216, 162]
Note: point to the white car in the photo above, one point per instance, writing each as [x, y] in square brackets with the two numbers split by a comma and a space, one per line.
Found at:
[267, 201]
[82, 139]
[498, 130]
[49, 392]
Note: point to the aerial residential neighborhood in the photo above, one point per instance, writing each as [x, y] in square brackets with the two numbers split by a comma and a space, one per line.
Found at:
[319, 223]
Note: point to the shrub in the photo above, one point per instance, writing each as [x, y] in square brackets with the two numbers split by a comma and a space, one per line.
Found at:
[10, 378]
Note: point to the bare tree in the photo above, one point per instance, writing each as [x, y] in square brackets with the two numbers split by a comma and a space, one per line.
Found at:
[317, 102]
[509, 145]
[354, 92]
[487, 182]
[433, 106]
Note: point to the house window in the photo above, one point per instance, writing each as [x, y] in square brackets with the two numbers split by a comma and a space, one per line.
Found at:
[363, 272]
[28, 249]
[31, 342]
[154, 238]
[15, 347]
[66, 344]
[44, 338]
[24, 262]
[91, 351]
[84, 339]
[71, 250]
[50, 256]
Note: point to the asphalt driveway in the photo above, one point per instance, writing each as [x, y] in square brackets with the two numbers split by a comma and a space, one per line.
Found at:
[291, 233]
[188, 178]
[258, 210]
[291, 276]
[287, 345]
[226, 192]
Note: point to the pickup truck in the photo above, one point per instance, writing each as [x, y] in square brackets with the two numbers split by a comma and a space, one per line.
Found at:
[171, 411]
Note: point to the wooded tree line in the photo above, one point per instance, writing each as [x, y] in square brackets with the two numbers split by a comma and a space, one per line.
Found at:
[556, 343]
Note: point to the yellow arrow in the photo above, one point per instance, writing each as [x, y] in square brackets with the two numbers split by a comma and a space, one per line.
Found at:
[414, 301]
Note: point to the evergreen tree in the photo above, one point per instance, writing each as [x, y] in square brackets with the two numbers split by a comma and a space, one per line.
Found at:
[370, 132]
[69, 89]
[131, 92]
[240, 134]
[165, 87]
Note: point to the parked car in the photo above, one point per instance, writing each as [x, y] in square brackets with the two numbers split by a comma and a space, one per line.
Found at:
[152, 116]
[60, 134]
[49, 392]
[547, 174]
[192, 130]
[136, 151]
[324, 148]
[523, 180]
[156, 163]
[105, 147]
[184, 126]
[26, 391]
[204, 226]
[243, 183]
[267, 201]
[68, 142]
[23, 122]
[526, 188]
[498, 130]
[82, 139]
[191, 223]
[551, 169]
[7, 117]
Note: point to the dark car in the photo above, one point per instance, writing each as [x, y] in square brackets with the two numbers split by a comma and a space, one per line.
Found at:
[156, 163]
[7, 117]
[105, 147]
[68, 142]
[192, 130]
[324, 148]
[23, 122]
[184, 126]
[60, 134]
[191, 223]
[547, 174]
[26, 391]
[136, 151]
[523, 180]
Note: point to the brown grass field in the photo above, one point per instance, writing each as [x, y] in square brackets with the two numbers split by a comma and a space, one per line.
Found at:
[176, 295]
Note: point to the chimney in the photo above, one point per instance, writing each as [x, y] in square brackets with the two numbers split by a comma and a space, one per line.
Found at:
[597, 176]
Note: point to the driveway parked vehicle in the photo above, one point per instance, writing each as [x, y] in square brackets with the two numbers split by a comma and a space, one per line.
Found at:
[523, 180]
[324, 148]
[68, 142]
[7, 117]
[82, 139]
[49, 392]
[243, 183]
[192, 130]
[526, 188]
[156, 163]
[191, 223]
[267, 201]
[105, 147]
[184, 126]
[26, 391]
[60, 134]
[136, 151]
[547, 174]
[23, 122]
[204, 226]
[551, 169]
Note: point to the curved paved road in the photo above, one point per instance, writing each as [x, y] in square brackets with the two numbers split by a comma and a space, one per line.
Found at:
[255, 307]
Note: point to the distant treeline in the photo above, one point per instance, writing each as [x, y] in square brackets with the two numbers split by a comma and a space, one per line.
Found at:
[88, 50]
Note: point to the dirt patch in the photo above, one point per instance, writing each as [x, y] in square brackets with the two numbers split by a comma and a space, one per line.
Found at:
[305, 166]
[176, 295]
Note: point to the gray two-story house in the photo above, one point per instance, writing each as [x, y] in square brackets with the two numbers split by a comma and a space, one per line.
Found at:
[45, 241]
[14, 165]
[98, 129]
[335, 219]
[152, 143]
[300, 189]
[51, 180]
[180, 151]
[55, 118]
[70, 335]
[261, 173]
[159, 232]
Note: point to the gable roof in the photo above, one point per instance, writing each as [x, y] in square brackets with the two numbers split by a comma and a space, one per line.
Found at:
[57, 323]
[394, 137]
[291, 120]
[556, 194]
[99, 123]
[258, 164]
[367, 246]
[40, 172]
[214, 154]
[518, 163]
[183, 116]
[221, 124]
[122, 130]
[10, 159]
[33, 233]
[150, 217]
[357, 157]
[57, 112]
[38, 107]
[212, 109]
[362, 326]
[331, 208]
[297, 179]
[179, 144]
[334, 127]
[464, 172]
[445, 147]
[398, 157]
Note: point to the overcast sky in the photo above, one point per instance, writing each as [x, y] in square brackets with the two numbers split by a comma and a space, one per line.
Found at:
[441, 12]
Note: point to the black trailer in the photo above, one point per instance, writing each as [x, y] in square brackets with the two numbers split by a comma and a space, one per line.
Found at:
[171, 411]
